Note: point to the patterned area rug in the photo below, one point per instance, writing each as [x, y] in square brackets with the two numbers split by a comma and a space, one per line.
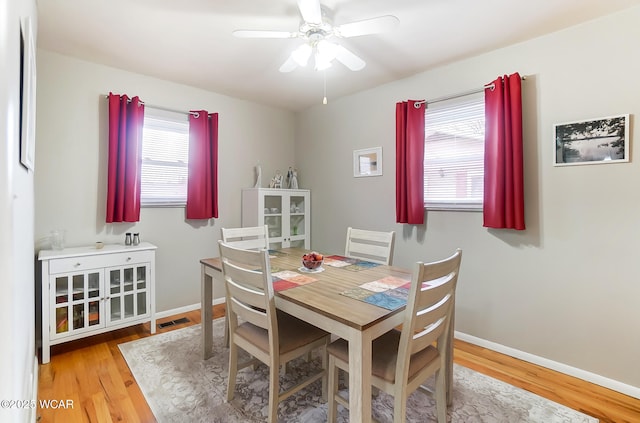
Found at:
[181, 387]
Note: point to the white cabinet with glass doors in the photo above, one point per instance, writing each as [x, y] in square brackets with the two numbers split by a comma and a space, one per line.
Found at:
[285, 211]
[86, 291]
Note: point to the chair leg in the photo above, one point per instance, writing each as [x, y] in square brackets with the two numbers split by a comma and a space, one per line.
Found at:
[333, 390]
[325, 363]
[441, 395]
[233, 371]
[226, 330]
[274, 391]
[399, 405]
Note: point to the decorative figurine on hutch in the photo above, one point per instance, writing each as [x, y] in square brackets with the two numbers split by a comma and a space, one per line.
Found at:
[293, 183]
[258, 176]
[276, 181]
[289, 176]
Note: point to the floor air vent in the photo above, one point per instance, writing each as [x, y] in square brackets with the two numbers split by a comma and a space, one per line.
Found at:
[173, 322]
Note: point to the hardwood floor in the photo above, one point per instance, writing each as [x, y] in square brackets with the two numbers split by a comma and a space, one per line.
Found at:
[93, 374]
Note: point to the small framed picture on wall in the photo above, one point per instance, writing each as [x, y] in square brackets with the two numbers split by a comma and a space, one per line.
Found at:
[367, 162]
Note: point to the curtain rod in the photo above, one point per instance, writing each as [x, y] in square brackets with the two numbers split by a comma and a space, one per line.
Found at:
[463, 94]
[166, 109]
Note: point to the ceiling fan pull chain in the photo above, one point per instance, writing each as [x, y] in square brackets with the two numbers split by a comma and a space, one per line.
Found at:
[324, 76]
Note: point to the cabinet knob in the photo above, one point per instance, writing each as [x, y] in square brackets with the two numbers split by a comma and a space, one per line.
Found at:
[128, 258]
[77, 264]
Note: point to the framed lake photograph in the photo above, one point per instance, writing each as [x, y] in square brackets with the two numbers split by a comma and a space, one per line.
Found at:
[596, 141]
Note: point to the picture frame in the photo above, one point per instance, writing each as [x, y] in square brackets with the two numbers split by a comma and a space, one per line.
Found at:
[367, 162]
[593, 141]
[27, 94]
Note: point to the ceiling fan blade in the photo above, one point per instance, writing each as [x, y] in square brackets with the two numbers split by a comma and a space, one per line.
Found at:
[310, 11]
[347, 58]
[257, 33]
[367, 26]
[288, 65]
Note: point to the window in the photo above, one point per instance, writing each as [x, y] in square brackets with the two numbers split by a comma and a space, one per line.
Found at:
[165, 158]
[454, 155]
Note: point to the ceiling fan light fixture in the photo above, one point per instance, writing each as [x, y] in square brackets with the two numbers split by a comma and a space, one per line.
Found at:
[321, 65]
[325, 53]
[301, 55]
[288, 66]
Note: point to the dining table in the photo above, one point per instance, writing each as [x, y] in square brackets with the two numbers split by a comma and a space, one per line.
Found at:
[329, 298]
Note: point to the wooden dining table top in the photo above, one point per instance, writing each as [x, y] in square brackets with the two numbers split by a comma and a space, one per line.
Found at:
[324, 295]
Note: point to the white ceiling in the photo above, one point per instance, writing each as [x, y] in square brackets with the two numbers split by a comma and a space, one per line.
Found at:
[190, 41]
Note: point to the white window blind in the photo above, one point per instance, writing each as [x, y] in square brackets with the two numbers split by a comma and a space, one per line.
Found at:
[454, 155]
[165, 158]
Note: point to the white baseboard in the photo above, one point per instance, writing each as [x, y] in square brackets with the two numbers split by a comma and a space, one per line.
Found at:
[186, 309]
[615, 385]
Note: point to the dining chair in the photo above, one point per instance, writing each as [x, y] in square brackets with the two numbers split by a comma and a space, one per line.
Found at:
[370, 245]
[402, 360]
[249, 238]
[270, 336]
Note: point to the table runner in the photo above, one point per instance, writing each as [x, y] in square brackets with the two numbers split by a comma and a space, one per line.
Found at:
[389, 292]
[285, 279]
[348, 263]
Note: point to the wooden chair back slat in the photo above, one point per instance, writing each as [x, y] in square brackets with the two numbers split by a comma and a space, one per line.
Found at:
[372, 246]
[249, 238]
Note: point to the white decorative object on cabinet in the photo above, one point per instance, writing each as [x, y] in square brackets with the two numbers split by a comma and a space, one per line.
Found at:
[285, 211]
[87, 291]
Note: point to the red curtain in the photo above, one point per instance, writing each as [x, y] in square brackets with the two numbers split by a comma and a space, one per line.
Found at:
[503, 158]
[202, 185]
[410, 162]
[126, 119]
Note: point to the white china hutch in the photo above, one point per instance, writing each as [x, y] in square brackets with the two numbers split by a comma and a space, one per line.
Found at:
[87, 291]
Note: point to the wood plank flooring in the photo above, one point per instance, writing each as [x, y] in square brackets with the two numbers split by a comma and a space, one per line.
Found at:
[93, 374]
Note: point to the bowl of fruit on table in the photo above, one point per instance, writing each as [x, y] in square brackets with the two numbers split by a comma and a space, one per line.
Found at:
[312, 261]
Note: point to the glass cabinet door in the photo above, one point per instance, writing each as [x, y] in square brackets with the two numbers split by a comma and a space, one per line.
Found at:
[94, 300]
[128, 292]
[273, 212]
[77, 302]
[297, 221]
[61, 292]
[115, 292]
[141, 290]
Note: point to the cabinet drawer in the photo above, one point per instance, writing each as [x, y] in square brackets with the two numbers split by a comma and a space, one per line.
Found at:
[81, 263]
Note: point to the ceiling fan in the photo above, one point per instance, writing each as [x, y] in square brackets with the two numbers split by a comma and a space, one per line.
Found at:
[317, 31]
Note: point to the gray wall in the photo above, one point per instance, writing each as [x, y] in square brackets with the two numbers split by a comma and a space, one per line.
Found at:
[18, 364]
[71, 174]
[566, 289]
